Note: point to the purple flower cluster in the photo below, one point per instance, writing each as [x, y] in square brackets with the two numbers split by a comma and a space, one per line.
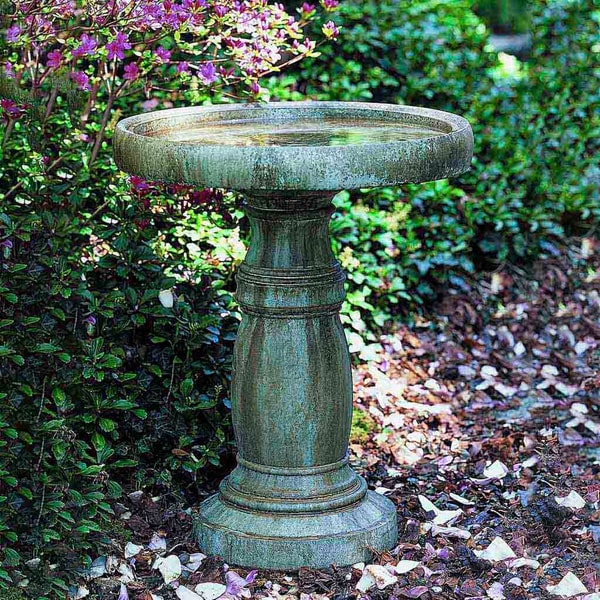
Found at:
[115, 49]
[86, 46]
[228, 42]
[54, 59]
[104, 47]
[13, 34]
[81, 80]
[10, 108]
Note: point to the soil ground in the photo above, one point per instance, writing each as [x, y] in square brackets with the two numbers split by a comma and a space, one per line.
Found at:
[474, 422]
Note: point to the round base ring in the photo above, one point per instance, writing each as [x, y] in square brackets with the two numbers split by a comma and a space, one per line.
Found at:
[287, 542]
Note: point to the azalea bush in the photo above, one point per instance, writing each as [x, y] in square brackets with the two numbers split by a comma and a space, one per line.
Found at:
[114, 49]
[116, 314]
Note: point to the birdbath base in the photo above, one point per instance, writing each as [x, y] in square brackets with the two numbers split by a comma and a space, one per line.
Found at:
[288, 542]
[293, 501]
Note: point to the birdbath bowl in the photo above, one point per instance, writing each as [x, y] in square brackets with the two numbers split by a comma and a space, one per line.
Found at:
[293, 500]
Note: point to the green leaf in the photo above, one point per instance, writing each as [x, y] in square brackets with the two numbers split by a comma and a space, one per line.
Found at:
[59, 449]
[122, 405]
[98, 442]
[58, 396]
[111, 361]
[4, 575]
[18, 360]
[187, 385]
[26, 493]
[47, 348]
[11, 557]
[106, 425]
[66, 516]
[124, 463]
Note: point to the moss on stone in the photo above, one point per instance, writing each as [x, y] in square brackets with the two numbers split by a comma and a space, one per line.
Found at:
[362, 426]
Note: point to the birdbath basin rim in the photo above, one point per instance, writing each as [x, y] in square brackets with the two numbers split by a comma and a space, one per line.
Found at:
[324, 146]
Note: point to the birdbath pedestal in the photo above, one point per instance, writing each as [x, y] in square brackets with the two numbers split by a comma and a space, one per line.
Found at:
[293, 500]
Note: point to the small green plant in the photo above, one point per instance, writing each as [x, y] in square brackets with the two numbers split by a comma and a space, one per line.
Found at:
[362, 427]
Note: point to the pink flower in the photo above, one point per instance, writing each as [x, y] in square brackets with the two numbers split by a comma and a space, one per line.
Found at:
[236, 584]
[255, 88]
[330, 30]
[330, 4]
[307, 9]
[9, 70]
[131, 71]
[162, 54]
[87, 45]
[207, 73]
[220, 10]
[205, 196]
[183, 67]
[150, 104]
[81, 80]
[10, 108]
[138, 184]
[116, 47]
[13, 33]
[54, 59]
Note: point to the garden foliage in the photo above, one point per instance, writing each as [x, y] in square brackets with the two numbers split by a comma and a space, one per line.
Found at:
[116, 314]
[535, 176]
[116, 317]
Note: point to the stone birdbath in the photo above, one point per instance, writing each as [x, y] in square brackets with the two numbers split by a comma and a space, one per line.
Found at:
[293, 500]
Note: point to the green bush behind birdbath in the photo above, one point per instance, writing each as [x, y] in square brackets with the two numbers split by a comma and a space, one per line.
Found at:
[535, 175]
[91, 352]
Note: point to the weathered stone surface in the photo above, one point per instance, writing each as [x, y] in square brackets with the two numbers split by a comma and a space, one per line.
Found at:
[288, 542]
[153, 145]
[293, 501]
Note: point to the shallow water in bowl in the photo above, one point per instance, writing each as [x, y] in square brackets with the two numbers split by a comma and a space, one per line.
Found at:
[321, 132]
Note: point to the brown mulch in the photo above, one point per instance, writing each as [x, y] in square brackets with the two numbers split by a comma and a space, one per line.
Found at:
[491, 406]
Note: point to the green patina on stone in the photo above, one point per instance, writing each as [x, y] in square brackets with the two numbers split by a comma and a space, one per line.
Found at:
[293, 500]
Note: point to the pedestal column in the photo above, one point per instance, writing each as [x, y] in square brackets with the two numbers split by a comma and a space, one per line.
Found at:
[292, 501]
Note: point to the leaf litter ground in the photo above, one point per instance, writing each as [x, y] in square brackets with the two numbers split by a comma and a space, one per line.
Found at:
[481, 423]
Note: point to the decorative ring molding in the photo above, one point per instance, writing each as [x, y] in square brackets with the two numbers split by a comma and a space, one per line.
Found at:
[300, 278]
[292, 471]
[318, 213]
[298, 312]
[320, 504]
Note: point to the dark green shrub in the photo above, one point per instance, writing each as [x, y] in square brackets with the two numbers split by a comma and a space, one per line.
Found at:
[432, 53]
[535, 174]
[98, 376]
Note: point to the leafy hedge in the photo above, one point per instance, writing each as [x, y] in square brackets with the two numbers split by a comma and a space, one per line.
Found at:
[430, 52]
[535, 174]
[100, 373]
